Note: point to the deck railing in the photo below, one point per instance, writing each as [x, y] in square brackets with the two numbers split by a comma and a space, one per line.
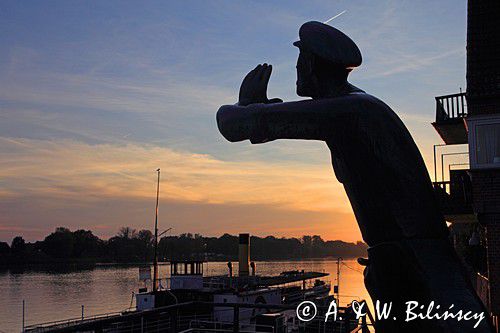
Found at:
[455, 195]
[167, 318]
[444, 186]
[451, 107]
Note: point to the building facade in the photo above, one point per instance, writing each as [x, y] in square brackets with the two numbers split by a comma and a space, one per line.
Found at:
[470, 194]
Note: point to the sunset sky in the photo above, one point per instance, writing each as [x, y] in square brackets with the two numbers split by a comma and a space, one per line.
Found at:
[96, 95]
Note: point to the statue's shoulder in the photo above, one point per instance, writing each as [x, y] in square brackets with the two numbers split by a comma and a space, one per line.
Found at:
[360, 100]
[374, 113]
[365, 97]
[371, 103]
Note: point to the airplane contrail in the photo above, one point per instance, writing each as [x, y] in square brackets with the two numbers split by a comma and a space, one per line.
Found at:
[334, 17]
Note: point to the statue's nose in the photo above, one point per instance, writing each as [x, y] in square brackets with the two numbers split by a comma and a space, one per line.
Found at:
[363, 261]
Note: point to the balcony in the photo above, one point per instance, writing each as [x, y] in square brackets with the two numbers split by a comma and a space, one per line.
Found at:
[482, 287]
[455, 197]
[451, 110]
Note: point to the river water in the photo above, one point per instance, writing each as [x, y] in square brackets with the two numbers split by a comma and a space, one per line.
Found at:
[55, 294]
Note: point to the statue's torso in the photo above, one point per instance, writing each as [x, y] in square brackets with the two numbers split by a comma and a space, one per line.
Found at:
[384, 175]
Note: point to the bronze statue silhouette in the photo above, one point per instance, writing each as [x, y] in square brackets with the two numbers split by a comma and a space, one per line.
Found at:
[375, 158]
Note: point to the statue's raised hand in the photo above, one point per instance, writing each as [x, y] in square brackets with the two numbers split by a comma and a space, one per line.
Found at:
[254, 86]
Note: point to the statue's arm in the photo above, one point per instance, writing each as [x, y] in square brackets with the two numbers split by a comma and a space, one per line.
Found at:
[308, 119]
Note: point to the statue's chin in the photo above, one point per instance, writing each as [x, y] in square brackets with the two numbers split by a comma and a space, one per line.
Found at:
[303, 92]
[305, 88]
[300, 90]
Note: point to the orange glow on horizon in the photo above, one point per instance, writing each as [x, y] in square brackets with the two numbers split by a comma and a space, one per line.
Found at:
[293, 199]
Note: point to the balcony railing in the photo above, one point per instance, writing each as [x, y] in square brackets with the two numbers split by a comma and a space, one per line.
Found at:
[455, 195]
[482, 289]
[451, 110]
[450, 107]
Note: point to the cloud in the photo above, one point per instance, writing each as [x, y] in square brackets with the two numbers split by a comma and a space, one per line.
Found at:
[71, 168]
[71, 90]
[41, 215]
[65, 174]
[415, 62]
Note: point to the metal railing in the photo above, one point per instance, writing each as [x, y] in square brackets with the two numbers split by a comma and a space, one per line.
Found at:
[482, 289]
[451, 107]
[69, 322]
[455, 195]
[445, 186]
[167, 318]
[217, 326]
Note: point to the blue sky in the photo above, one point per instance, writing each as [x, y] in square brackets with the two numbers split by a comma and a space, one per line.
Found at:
[95, 95]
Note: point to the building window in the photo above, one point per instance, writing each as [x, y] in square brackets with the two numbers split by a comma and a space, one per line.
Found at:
[488, 143]
[484, 141]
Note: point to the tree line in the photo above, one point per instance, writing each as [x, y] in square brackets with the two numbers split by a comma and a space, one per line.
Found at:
[132, 246]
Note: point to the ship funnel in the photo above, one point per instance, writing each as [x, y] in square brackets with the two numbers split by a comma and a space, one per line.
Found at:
[244, 255]
[230, 266]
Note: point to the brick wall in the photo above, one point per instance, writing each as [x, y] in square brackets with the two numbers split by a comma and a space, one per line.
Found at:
[483, 97]
[493, 245]
[483, 57]
[486, 194]
[486, 190]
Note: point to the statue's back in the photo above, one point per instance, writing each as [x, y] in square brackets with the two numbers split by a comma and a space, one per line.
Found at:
[384, 175]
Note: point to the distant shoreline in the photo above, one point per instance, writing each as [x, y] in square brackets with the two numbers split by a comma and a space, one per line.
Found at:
[89, 264]
[82, 248]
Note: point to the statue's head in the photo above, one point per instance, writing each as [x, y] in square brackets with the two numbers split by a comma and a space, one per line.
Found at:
[326, 57]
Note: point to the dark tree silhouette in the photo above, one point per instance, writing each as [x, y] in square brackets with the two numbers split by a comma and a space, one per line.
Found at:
[18, 246]
[86, 244]
[131, 246]
[4, 249]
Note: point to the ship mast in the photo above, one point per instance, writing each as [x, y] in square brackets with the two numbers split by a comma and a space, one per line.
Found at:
[155, 260]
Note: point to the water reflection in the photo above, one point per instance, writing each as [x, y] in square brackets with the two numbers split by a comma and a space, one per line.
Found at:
[57, 292]
[47, 268]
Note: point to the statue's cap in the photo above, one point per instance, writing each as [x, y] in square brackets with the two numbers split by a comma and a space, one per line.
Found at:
[329, 43]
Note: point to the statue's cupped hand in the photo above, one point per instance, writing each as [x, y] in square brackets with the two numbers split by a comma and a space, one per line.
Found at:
[254, 86]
